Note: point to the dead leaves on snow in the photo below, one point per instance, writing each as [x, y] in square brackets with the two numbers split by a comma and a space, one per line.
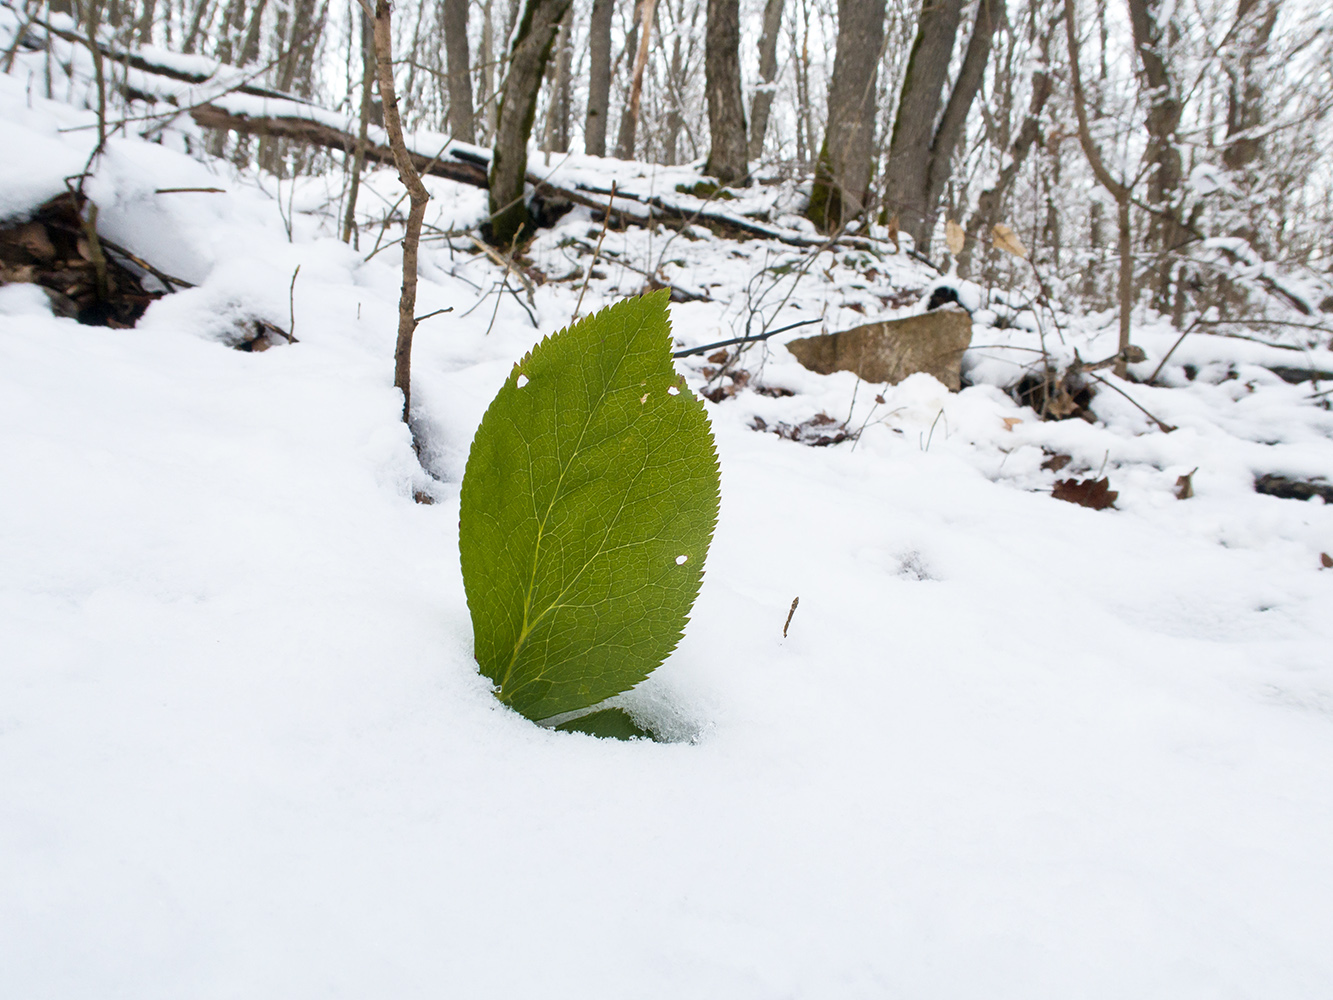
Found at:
[1094, 493]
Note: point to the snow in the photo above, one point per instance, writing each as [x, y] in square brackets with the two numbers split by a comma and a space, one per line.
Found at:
[1010, 747]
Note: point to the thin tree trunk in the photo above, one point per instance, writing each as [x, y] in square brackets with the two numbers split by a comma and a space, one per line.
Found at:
[768, 72]
[1165, 233]
[350, 234]
[486, 87]
[518, 110]
[629, 121]
[461, 124]
[1119, 191]
[599, 77]
[556, 135]
[726, 108]
[1246, 93]
[846, 161]
[991, 200]
[196, 24]
[418, 196]
[144, 31]
[250, 47]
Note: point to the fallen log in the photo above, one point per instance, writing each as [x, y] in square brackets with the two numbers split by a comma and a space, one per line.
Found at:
[463, 165]
[326, 136]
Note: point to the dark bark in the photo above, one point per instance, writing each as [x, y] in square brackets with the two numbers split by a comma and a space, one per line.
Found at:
[599, 77]
[768, 72]
[250, 46]
[531, 49]
[1165, 234]
[842, 173]
[726, 108]
[462, 126]
[918, 107]
[990, 14]
[201, 9]
[1245, 95]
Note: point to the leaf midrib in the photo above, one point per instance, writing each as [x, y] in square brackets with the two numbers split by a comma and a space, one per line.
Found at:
[528, 628]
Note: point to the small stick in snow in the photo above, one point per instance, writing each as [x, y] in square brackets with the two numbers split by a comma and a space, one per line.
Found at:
[190, 191]
[291, 307]
[785, 625]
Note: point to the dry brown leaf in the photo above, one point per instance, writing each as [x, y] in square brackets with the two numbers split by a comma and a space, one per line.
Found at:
[1326, 560]
[1094, 493]
[1056, 462]
[954, 237]
[1011, 422]
[893, 234]
[1007, 240]
[1185, 485]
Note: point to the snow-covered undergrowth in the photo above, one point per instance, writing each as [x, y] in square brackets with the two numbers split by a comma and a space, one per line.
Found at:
[1010, 747]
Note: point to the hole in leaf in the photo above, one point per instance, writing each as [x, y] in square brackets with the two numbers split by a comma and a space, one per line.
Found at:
[673, 391]
[681, 560]
[522, 381]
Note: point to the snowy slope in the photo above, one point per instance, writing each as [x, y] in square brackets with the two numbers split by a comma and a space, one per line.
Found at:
[1011, 747]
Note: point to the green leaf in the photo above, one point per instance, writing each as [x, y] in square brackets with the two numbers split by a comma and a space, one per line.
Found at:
[587, 507]
[607, 724]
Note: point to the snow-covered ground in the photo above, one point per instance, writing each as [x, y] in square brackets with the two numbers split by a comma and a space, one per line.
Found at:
[1010, 747]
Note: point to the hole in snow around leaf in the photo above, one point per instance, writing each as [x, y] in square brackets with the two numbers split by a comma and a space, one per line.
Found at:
[522, 381]
[673, 391]
[681, 560]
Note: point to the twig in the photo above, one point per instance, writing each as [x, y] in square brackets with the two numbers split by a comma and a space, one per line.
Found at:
[291, 306]
[745, 340]
[1164, 427]
[1167, 356]
[785, 625]
[606, 219]
[504, 260]
[446, 309]
[190, 191]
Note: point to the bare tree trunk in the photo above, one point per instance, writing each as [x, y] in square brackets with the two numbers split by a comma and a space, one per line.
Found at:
[1118, 190]
[201, 10]
[629, 121]
[533, 38]
[1245, 94]
[1165, 234]
[768, 72]
[359, 160]
[556, 134]
[461, 123]
[675, 117]
[144, 31]
[726, 107]
[418, 196]
[805, 144]
[990, 14]
[991, 200]
[250, 47]
[599, 77]
[918, 106]
[842, 174]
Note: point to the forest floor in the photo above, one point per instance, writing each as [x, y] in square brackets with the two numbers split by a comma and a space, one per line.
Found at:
[1010, 747]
